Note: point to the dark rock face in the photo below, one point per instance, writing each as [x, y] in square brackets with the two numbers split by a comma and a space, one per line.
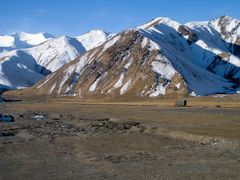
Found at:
[220, 64]
[42, 70]
[186, 31]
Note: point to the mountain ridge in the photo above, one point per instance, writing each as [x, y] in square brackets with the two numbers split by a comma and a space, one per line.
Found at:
[20, 40]
[50, 54]
[167, 50]
[159, 58]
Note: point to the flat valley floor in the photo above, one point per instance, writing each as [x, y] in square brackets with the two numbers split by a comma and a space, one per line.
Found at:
[66, 138]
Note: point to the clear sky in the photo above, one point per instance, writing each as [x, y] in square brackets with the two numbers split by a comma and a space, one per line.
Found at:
[74, 17]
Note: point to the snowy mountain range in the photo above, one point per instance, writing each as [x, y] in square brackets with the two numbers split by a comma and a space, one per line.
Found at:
[24, 67]
[22, 40]
[161, 57]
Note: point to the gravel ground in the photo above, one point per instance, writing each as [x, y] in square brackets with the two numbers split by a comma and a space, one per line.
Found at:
[117, 142]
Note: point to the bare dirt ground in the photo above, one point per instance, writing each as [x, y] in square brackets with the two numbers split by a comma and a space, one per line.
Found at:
[66, 138]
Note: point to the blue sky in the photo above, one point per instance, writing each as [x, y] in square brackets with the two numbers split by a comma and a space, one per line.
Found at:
[74, 17]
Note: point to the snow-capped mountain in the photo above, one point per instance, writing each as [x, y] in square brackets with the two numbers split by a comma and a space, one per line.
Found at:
[23, 68]
[93, 38]
[20, 68]
[22, 40]
[54, 53]
[161, 57]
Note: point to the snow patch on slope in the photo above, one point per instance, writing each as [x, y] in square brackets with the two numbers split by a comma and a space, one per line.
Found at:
[119, 83]
[52, 88]
[160, 90]
[110, 43]
[128, 64]
[144, 42]
[66, 76]
[94, 85]
[125, 87]
[162, 66]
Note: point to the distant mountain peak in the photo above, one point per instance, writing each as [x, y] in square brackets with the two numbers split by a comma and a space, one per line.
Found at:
[226, 17]
[93, 38]
[158, 21]
[228, 27]
[225, 20]
[29, 35]
[20, 40]
[97, 31]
